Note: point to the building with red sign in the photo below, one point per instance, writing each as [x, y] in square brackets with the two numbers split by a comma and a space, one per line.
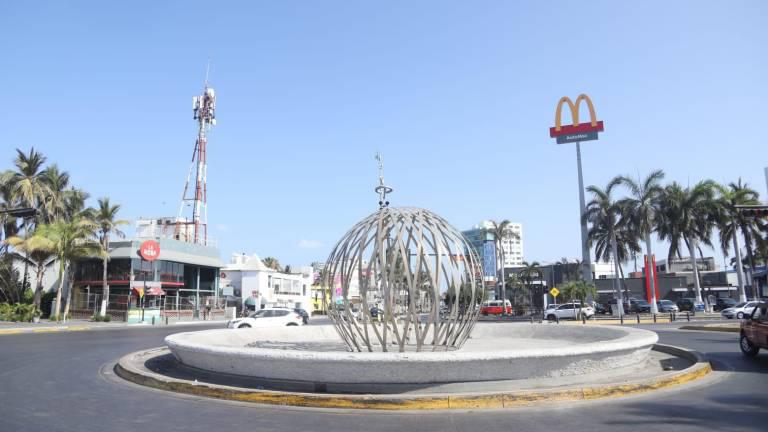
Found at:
[163, 275]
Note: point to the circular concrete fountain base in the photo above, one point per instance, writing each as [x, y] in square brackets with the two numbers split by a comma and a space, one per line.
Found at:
[665, 367]
[496, 351]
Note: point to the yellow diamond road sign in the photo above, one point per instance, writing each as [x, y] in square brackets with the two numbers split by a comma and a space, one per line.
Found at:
[555, 292]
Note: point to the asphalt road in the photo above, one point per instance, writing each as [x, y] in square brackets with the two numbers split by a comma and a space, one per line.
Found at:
[54, 382]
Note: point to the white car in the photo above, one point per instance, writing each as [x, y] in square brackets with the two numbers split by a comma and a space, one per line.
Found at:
[269, 317]
[568, 311]
[741, 310]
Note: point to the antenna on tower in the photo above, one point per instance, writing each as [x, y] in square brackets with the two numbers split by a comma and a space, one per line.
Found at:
[196, 229]
[207, 70]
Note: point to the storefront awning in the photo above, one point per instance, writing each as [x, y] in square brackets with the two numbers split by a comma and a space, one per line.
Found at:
[155, 291]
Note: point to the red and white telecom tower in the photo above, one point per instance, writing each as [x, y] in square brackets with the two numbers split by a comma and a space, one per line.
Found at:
[196, 229]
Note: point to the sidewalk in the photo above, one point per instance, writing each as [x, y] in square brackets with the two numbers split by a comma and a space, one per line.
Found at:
[45, 326]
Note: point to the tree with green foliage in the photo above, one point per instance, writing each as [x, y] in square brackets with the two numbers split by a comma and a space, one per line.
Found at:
[107, 223]
[687, 215]
[730, 221]
[501, 232]
[609, 231]
[68, 241]
[272, 263]
[641, 208]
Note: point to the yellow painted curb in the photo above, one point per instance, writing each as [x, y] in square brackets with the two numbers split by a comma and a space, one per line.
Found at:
[33, 330]
[712, 328]
[496, 400]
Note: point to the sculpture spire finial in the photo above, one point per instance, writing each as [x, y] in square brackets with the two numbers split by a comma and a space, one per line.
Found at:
[382, 189]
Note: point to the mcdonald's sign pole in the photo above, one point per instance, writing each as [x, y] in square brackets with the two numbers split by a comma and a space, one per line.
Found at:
[578, 132]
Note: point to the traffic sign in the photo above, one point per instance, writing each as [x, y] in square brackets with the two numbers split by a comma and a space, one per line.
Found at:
[554, 292]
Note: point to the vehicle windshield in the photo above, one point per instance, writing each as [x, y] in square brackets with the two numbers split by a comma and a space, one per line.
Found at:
[257, 314]
[741, 304]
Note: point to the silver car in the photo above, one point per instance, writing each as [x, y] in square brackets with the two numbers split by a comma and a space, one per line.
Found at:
[741, 310]
[667, 306]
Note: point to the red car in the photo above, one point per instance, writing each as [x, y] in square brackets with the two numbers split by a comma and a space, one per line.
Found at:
[493, 307]
[754, 330]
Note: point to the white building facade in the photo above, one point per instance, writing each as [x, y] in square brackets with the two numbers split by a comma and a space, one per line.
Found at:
[256, 285]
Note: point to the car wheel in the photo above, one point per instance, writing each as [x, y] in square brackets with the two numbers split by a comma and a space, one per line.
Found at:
[244, 326]
[551, 317]
[291, 324]
[747, 348]
[740, 315]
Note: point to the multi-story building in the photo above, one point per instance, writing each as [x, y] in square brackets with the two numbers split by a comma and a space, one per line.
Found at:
[512, 245]
[258, 286]
[180, 280]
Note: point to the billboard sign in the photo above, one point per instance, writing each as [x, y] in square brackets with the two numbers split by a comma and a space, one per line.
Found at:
[577, 131]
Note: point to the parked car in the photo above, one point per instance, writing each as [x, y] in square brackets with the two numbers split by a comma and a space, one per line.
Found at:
[667, 306]
[740, 311]
[724, 303]
[568, 311]
[639, 306]
[493, 307]
[269, 317]
[304, 315]
[690, 304]
[601, 308]
[754, 330]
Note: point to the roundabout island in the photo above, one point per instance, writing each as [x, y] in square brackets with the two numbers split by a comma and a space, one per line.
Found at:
[422, 349]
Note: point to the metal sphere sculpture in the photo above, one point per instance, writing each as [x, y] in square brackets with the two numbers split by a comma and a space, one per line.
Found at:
[403, 279]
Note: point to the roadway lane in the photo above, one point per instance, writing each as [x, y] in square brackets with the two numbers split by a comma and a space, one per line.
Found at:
[51, 382]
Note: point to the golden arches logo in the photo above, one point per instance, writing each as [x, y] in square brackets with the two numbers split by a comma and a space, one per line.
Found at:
[574, 107]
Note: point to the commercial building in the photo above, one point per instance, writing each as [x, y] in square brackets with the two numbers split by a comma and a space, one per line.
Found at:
[256, 286]
[180, 280]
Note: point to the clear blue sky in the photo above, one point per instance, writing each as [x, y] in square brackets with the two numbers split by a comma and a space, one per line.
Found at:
[458, 96]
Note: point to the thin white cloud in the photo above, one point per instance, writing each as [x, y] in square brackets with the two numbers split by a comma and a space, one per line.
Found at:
[309, 244]
[222, 227]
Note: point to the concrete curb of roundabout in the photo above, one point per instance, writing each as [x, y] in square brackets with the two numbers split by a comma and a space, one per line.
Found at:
[712, 328]
[491, 400]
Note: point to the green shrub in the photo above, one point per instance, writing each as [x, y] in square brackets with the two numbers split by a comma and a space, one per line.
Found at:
[6, 312]
[17, 312]
[96, 318]
[107, 318]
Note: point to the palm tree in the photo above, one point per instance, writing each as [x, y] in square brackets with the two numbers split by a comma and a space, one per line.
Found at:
[68, 241]
[501, 232]
[27, 188]
[642, 208]
[730, 221]
[687, 215]
[273, 263]
[74, 202]
[53, 203]
[7, 222]
[609, 231]
[40, 259]
[27, 184]
[529, 273]
[105, 218]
